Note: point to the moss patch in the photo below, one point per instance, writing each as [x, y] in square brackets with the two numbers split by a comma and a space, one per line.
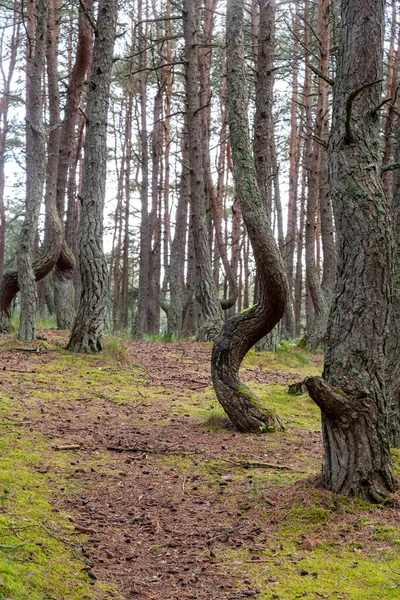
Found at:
[41, 554]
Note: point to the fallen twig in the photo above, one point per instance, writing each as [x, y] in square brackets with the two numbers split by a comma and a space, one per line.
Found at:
[256, 465]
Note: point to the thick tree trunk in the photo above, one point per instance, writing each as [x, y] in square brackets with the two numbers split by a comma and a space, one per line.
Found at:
[87, 332]
[352, 394]
[243, 330]
[393, 346]
[208, 306]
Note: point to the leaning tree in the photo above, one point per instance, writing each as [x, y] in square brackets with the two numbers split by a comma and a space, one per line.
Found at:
[351, 394]
[243, 330]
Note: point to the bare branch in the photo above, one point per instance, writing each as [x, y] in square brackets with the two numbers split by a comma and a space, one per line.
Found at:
[321, 74]
[349, 106]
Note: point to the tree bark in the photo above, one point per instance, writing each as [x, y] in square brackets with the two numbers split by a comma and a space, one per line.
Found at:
[145, 224]
[35, 175]
[65, 267]
[393, 346]
[4, 125]
[86, 335]
[351, 394]
[288, 324]
[243, 330]
[208, 305]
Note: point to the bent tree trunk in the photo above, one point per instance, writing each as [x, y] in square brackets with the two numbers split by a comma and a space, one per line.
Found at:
[351, 394]
[86, 335]
[242, 331]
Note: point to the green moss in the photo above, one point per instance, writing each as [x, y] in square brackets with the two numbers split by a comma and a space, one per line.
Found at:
[327, 572]
[40, 552]
[313, 515]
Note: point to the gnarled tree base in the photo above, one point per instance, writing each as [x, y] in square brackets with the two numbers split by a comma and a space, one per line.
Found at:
[357, 453]
[243, 407]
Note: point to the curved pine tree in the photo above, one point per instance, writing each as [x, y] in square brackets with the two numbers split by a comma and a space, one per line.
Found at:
[242, 331]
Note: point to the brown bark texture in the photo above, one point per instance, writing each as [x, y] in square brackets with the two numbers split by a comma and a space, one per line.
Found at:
[141, 324]
[209, 317]
[35, 175]
[87, 332]
[393, 346]
[351, 394]
[69, 141]
[242, 331]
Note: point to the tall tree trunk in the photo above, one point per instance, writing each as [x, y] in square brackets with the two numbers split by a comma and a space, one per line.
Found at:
[35, 175]
[87, 332]
[288, 324]
[145, 224]
[316, 335]
[178, 298]
[329, 265]
[208, 306]
[393, 346]
[298, 284]
[351, 394]
[4, 105]
[243, 330]
[264, 124]
[69, 143]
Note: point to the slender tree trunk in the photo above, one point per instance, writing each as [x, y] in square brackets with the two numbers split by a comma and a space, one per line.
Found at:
[4, 104]
[329, 265]
[298, 285]
[145, 225]
[316, 335]
[264, 124]
[208, 306]
[391, 92]
[127, 179]
[86, 335]
[179, 298]
[35, 175]
[69, 143]
[243, 330]
[352, 394]
[288, 324]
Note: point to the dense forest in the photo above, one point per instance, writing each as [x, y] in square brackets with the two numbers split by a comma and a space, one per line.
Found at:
[214, 171]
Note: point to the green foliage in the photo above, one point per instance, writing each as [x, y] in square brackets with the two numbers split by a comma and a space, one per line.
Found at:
[42, 322]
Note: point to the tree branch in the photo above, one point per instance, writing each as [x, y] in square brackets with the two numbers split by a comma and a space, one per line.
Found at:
[321, 74]
[349, 107]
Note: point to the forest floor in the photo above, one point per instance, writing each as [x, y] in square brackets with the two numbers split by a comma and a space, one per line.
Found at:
[120, 479]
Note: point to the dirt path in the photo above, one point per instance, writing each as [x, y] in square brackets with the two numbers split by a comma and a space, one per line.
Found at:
[164, 501]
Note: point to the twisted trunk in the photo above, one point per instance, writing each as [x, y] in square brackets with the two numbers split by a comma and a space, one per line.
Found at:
[242, 331]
